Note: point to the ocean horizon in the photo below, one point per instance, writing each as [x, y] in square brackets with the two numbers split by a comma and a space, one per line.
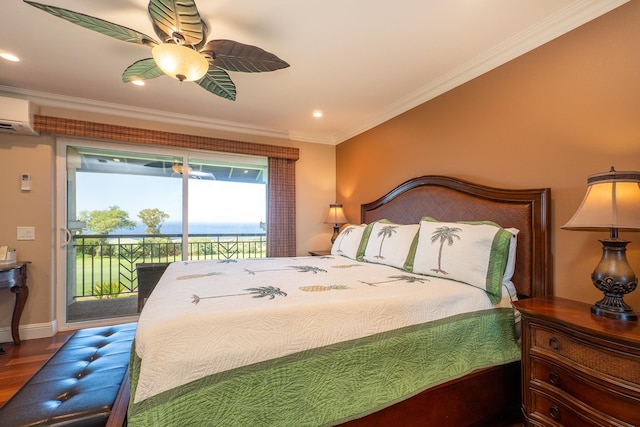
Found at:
[200, 228]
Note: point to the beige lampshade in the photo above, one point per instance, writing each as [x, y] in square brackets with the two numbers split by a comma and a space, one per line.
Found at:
[180, 62]
[336, 215]
[612, 201]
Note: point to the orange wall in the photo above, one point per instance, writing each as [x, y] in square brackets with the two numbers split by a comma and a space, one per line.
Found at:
[549, 118]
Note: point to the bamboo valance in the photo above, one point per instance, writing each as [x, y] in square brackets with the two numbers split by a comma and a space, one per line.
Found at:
[70, 127]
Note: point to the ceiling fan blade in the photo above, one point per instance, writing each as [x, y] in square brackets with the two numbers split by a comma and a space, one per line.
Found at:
[234, 56]
[144, 69]
[96, 24]
[218, 82]
[202, 175]
[159, 164]
[178, 16]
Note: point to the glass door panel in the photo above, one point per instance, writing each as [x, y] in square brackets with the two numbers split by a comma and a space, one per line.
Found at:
[123, 208]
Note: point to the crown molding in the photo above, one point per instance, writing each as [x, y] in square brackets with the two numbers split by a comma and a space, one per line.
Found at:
[120, 110]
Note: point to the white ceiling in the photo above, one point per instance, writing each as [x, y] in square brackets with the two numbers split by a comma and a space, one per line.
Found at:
[361, 62]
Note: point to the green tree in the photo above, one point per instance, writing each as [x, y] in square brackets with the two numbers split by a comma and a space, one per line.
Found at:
[153, 219]
[107, 220]
[104, 222]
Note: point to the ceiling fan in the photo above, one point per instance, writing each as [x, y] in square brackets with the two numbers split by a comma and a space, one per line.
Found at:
[183, 36]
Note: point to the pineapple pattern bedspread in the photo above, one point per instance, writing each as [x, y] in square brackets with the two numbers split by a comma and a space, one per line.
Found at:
[221, 341]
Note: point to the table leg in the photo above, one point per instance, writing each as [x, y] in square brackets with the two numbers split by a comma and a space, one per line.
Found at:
[21, 298]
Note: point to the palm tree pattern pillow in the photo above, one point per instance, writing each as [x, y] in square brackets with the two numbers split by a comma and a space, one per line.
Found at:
[390, 243]
[348, 241]
[470, 252]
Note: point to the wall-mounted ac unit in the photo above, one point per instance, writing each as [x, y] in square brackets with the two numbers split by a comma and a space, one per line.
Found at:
[16, 116]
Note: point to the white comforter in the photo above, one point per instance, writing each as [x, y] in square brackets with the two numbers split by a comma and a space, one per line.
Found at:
[210, 316]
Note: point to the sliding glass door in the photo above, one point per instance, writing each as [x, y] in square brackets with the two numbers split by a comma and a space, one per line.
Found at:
[123, 206]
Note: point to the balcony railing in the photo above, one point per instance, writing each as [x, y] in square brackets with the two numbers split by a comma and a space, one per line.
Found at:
[105, 265]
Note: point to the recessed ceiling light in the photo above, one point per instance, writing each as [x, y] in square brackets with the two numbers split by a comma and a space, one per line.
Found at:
[138, 82]
[9, 57]
[317, 114]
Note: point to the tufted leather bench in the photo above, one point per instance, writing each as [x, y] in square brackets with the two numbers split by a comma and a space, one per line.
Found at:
[78, 385]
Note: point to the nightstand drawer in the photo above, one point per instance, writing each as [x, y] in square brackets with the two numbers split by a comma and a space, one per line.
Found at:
[550, 412]
[561, 382]
[570, 351]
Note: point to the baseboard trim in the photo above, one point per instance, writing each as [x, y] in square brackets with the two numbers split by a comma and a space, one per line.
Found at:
[29, 332]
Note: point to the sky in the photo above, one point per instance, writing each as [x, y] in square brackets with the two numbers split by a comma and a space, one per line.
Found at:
[210, 201]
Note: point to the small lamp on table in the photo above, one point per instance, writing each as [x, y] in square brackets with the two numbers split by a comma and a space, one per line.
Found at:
[337, 218]
[612, 203]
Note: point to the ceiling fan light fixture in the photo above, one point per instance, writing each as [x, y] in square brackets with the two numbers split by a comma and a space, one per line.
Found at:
[180, 62]
[178, 168]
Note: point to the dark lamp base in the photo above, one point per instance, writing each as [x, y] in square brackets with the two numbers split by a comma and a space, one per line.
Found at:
[627, 315]
[615, 278]
[336, 232]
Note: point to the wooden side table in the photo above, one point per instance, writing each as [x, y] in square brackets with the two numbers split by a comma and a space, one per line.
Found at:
[14, 277]
[578, 369]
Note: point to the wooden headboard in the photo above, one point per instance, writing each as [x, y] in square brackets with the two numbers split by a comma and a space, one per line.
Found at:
[451, 199]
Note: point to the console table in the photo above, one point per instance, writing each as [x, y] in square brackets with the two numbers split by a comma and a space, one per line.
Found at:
[14, 277]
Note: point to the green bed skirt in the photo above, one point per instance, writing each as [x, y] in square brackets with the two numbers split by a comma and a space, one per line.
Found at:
[336, 383]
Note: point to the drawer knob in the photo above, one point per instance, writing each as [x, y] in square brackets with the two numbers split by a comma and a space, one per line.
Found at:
[554, 378]
[554, 412]
[554, 343]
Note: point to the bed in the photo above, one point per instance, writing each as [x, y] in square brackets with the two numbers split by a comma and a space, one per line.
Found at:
[348, 338]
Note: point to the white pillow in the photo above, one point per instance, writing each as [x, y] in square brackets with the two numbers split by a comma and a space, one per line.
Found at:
[348, 241]
[390, 243]
[511, 262]
[470, 252]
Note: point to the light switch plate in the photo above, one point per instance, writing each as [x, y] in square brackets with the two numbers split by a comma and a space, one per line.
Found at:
[26, 233]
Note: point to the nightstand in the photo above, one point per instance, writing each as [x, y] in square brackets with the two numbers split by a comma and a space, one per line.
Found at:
[578, 369]
[320, 253]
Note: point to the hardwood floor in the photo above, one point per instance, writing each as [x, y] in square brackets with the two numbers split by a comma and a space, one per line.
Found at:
[19, 362]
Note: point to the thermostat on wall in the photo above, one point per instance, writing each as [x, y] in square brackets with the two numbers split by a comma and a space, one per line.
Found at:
[25, 182]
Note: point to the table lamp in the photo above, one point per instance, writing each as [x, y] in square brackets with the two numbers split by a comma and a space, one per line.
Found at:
[337, 218]
[612, 202]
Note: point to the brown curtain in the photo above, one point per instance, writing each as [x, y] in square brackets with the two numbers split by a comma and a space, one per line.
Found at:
[281, 208]
[281, 186]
